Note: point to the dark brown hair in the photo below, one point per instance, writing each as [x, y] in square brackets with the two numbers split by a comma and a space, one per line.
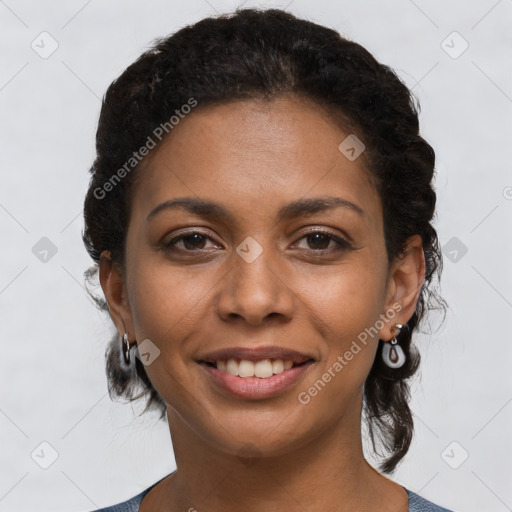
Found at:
[263, 54]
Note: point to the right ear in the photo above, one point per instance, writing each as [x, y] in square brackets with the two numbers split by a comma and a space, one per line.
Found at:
[114, 288]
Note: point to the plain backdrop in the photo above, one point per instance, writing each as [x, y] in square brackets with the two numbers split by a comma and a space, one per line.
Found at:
[58, 57]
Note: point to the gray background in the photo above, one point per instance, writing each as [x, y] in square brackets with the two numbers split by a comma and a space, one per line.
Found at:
[53, 339]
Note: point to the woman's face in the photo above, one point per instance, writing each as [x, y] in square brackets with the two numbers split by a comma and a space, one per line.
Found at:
[256, 276]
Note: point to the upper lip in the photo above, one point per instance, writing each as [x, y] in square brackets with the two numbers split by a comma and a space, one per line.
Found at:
[255, 354]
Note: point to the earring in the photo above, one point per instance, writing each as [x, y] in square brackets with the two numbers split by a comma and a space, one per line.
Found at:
[392, 353]
[125, 350]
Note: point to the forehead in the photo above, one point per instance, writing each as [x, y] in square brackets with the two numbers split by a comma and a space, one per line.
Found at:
[254, 153]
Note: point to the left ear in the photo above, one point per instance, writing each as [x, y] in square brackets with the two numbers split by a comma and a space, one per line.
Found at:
[406, 278]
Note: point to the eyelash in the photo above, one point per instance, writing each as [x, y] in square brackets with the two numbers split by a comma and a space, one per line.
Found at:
[342, 244]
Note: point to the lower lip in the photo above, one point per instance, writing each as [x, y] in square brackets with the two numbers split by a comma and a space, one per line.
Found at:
[254, 388]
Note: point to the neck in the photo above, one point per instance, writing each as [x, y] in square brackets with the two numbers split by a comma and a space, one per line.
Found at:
[328, 472]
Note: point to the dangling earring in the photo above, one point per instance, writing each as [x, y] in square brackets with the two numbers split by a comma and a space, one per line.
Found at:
[392, 353]
[125, 351]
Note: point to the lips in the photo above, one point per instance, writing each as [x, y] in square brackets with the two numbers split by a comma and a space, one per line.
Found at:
[255, 373]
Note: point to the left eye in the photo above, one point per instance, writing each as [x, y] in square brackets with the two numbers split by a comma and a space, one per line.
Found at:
[323, 239]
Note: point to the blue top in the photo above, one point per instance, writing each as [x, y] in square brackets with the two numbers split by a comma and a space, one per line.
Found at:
[416, 503]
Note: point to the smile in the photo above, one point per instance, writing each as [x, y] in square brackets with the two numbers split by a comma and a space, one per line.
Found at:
[262, 369]
[254, 380]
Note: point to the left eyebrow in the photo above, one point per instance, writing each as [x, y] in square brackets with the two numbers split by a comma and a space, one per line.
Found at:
[315, 205]
[205, 208]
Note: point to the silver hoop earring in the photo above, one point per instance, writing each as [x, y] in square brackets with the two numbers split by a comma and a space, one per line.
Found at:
[125, 350]
[392, 353]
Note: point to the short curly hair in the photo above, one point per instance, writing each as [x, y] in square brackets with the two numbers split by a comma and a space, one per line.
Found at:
[264, 54]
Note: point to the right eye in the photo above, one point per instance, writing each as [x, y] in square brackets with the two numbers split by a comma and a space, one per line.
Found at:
[193, 241]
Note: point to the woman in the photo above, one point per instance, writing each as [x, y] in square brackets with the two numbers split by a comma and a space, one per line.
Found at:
[259, 215]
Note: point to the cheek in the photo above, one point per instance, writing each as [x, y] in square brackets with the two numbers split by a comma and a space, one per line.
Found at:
[347, 300]
[164, 305]
[164, 301]
[346, 310]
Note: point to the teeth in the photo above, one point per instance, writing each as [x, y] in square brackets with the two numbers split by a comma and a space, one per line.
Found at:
[278, 366]
[232, 367]
[261, 369]
[246, 369]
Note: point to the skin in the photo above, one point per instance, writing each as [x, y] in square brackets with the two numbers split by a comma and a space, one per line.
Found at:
[253, 158]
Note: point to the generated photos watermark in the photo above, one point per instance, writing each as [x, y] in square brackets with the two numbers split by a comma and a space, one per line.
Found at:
[137, 156]
[305, 397]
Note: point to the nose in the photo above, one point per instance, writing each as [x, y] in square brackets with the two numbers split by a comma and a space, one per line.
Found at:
[257, 291]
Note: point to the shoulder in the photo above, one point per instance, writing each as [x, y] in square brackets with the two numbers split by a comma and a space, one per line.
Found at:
[419, 504]
[416, 503]
[131, 505]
